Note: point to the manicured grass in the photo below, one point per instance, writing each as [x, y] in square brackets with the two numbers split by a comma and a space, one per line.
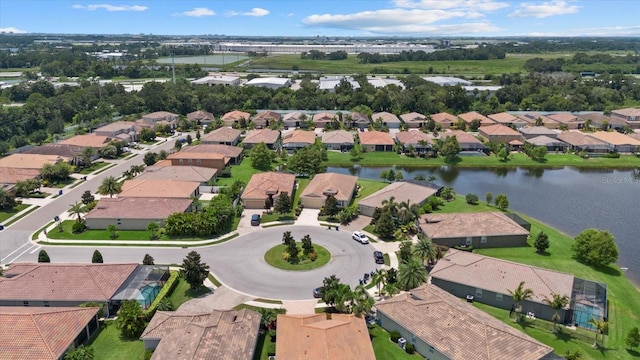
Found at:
[94, 166]
[387, 259]
[61, 184]
[5, 214]
[214, 280]
[33, 208]
[96, 234]
[264, 346]
[182, 293]
[274, 258]
[383, 348]
[242, 172]
[108, 345]
[368, 188]
[268, 301]
[104, 169]
[38, 195]
[459, 205]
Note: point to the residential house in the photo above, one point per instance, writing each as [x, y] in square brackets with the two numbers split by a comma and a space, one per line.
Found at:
[29, 161]
[294, 120]
[507, 119]
[578, 141]
[271, 138]
[599, 120]
[629, 115]
[222, 136]
[468, 143]
[10, 176]
[200, 174]
[218, 79]
[44, 333]
[323, 118]
[161, 118]
[83, 141]
[534, 131]
[618, 142]
[550, 143]
[414, 120]
[298, 139]
[358, 120]
[263, 188]
[155, 188]
[499, 134]
[269, 82]
[567, 120]
[236, 117]
[376, 141]
[201, 117]
[446, 120]
[69, 285]
[442, 327]
[387, 119]
[134, 213]
[407, 191]
[469, 118]
[538, 120]
[322, 186]
[480, 230]
[414, 139]
[68, 152]
[339, 140]
[232, 154]
[199, 157]
[266, 119]
[116, 129]
[317, 337]
[219, 334]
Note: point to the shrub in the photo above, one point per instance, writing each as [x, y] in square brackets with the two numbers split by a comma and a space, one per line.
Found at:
[409, 348]
[468, 248]
[100, 307]
[78, 227]
[312, 256]
[91, 205]
[394, 336]
[472, 199]
[166, 290]
[613, 155]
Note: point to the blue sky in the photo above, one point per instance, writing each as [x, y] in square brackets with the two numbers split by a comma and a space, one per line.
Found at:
[420, 18]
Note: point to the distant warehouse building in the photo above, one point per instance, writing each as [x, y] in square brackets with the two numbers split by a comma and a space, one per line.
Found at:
[269, 82]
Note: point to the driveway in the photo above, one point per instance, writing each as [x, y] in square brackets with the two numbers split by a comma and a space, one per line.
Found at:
[222, 298]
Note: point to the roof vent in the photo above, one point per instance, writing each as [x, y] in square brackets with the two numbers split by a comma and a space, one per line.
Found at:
[235, 317]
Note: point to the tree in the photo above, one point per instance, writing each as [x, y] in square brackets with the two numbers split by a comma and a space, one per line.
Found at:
[152, 229]
[287, 238]
[601, 327]
[261, 157]
[86, 156]
[7, 200]
[110, 186]
[194, 271]
[111, 229]
[307, 161]
[189, 139]
[330, 207]
[329, 286]
[411, 274]
[282, 204]
[503, 154]
[425, 249]
[362, 302]
[450, 149]
[379, 279]
[147, 135]
[96, 258]
[165, 305]
[391, 289]
[538, 153]
[148, 260]
[26, 187]
[87, 198]
[502, 202]
[150, 158]
[307, 245]
[43, 257]
[178, 145]
[489, 197]
[131, 319]
[385, 226]
[633, 338]
[447, 193]
[293, 251]
[80, 353]
[519, 295]
[405, 252]
[77, 209]
[472, 199]
[595, 247]
[557, 302]
[542, 242]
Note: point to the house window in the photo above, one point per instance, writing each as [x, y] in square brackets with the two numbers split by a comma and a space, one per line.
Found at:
[181, 161]
[46, 304]
[190, 161]
[469, 240]
[483, 240]
[119, 221]
[478, 293]
[25, 303]
[198, 162]
[431, 349]
[499, 297]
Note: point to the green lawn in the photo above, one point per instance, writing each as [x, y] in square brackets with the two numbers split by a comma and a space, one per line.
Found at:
[368, 188]
[108, 345]
[383, 348]
[459, 204]
[264, 346]
[95, 234]
[274, 258]
[242, 172]
[183, 292]
[5, 214]
[94, 167]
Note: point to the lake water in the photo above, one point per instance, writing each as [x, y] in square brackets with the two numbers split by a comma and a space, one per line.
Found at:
[217, 59]
[568, 199]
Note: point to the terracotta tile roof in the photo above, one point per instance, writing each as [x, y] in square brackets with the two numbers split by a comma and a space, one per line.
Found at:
[454, 225]
[516, 142]
[577, 138]
[635, 136]
[359, 118]
[498, 130]
[62, 150]
[502, 117]
[195, 154]
[457, 329]
[236, 115]
[116, 126]
[470, 116]
[265, 183]
[266, 136]
[200, 115]
[615, 138]
[300, 136]
[93, 141]
[500, 276]
[230, 334]
[148, 188]
[13, 175]
[386, 117]
[531, 118]
[598, 118]
[537, 130]
[324, 117]
[159, 115]
[223, 134]
[340, 185]
[413, 117]
[137, 208]
[462, 137]
[316, 337]
[543, 140]
[225, 150]
[565, 118]
[337, 137]
[375, 138]
[444, 117]
[412, 137]
[402, 191]
[178, 173]
[267, 115]
[293, 116]
[29, 161]
[63, 282]
[627, 112]
[40, 333]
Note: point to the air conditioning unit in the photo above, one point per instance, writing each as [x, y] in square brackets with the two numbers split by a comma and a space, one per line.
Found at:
[402, 342]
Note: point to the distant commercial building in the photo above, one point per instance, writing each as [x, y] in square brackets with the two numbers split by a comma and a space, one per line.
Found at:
[269, 82]
[326, 48]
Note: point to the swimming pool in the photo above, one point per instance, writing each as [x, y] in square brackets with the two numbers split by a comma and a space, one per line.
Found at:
[582, 313]
[148, 293]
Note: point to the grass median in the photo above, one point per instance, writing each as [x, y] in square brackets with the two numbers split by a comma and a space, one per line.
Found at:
[274, 258]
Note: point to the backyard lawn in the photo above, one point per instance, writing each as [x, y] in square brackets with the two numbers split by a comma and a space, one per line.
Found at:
[183, 292]
[108, 345]
[383, 348]
[5, 214]
[368, 188]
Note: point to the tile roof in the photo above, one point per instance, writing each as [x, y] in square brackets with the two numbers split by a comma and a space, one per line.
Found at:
[265, 183]
[502, 117]
[324, 117]
[500, 276]
[462, 137]
[159, 115]
[300, 136]
[292, 116]
[627, 112]
[444, 117]
[455, 225]
[313, 336]
[137, 208]
[472, 115]
[615, 138]
[91, 140]
[236, 115]
[598, 118]
[457, 329]
[230, 334]
[412, 137]
[565, 118]
[577, 138]
[226, 150]
[543, 140]
[531, 118]
[266, 136]
[195, 154]
[116, 126]
[413, 117]
[151, 188]
[57, 149]
[223, 134]
[267, 115]
[402, 191]
[340, 185]
[40, 333]
[179, 173]
[63, 282]
[386, 117]
[359, 118]
[498, 130]
[28, 161]
[537, 130]
[13, 175]
[200, 115]
[375, 138]
[338, 137]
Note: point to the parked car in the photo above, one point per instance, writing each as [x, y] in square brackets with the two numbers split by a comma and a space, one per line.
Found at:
[378, 257]
[255, 220]
[1, 227]
[360, 237]
[317, 293]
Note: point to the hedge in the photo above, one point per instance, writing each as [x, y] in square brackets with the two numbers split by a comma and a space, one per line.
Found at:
[166, 290]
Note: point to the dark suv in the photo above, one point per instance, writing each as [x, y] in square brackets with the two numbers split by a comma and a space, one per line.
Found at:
[378, 257]
[255, 220]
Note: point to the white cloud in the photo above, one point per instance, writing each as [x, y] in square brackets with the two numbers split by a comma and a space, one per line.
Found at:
[603, 31]
[109, 7]
[198, 12]
[12, 30]
[255, 12]
[477, 5]
[542, 10]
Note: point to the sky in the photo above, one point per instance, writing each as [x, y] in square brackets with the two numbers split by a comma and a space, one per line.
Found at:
[415, 18]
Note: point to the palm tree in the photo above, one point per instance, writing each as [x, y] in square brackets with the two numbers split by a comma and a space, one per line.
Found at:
[601, 326]
[343, 298]
[425, 249]
[110, 186]
[48, 171]
[519, 295]
[411, 274]
[136, 169]
[362, 302]
[379, 279]
[391, 289]
[77, 209]
[556, 302]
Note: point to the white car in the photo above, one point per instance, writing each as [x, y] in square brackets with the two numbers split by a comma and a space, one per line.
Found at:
[360, 237]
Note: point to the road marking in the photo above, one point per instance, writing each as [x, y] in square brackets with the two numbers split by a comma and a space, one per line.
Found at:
[36, 249]
[16, 250]
[22, 253]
